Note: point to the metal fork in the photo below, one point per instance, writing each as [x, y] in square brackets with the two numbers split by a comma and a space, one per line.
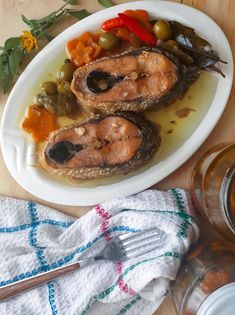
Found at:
[118, 249]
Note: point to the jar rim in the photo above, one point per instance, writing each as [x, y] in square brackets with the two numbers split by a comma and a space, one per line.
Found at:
[221, 299]
[225, 190]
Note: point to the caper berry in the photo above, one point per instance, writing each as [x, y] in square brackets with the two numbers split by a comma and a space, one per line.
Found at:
[42, 98]
[162, 30]
[47, 101]
[108, 41]
[62, 106]
[64, 87]
[49, 87]
[66, 72]
[50, 107]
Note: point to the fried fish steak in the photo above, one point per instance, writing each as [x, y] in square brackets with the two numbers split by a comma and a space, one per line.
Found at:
[101, 146]
[142, 79]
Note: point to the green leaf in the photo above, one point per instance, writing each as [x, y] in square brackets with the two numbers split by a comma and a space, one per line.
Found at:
[201, 50]
[72, 2]
[106, 3]
[79, 14]
[36, 25]
[6, 77]
[12, 42]
[4, 57]
[14, 60]
[1, 70]
[6, 82]
[50, 18]
[42, 25]
[30, 23]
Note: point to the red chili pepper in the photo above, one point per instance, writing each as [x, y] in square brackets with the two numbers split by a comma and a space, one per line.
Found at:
[139, 30]
[112, 23]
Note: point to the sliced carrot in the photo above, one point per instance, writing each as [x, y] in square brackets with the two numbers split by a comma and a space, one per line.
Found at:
[88, 55]
[98, 51]
[84, 49]
[79, 61]
[39, 122]
[73, 54]
[86, 38]
[71, 45]
[123, 33]
[80, 46]
[142, 16]
[129, 13]
[96, 36]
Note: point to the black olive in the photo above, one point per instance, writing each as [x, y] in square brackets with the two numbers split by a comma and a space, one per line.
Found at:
[100, 81]
[63, 151]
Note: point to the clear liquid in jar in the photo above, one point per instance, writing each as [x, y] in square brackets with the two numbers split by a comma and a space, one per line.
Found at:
[213, 188]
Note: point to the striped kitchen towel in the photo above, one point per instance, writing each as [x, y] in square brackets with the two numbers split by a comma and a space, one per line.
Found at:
[35, 238]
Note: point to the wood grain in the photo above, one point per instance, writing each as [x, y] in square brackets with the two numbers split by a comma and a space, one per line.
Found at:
[223, 12]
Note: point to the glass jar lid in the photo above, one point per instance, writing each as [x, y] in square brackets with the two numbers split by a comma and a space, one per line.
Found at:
[220, 302]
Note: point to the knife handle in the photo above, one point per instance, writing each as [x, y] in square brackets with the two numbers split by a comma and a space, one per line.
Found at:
[20, 286]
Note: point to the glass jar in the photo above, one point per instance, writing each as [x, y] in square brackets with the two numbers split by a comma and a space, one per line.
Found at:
[213, 188]
[205, 284]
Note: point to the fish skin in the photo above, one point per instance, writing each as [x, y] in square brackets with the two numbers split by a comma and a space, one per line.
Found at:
[185, 77]
[151, 140]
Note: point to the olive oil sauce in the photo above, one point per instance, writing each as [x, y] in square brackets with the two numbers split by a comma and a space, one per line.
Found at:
[177, 122]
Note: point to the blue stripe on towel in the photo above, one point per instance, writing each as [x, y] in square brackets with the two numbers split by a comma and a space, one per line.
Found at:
[32, 207]
[51, 292]
[23, 227]
[57, 223]
[67, 258]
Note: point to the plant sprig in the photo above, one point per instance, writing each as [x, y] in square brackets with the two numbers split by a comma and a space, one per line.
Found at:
[13, 51]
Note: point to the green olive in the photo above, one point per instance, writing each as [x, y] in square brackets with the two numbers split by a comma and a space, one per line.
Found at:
[172, 43]
[50, 108]
[64, 87]
[49, 87]
[162, 30]
[66, 72]
[108, 41]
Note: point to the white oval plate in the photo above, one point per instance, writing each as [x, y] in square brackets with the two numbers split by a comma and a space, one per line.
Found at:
[15, 146]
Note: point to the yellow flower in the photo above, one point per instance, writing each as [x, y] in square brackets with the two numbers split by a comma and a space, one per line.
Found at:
[28, 41]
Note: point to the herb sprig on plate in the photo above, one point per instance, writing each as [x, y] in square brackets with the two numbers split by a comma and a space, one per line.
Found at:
[16, 48]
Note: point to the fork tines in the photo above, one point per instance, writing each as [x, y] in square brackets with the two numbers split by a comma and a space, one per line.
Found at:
[141, 243]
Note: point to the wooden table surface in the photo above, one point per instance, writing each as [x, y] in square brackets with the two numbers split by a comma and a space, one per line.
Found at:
[223, 12]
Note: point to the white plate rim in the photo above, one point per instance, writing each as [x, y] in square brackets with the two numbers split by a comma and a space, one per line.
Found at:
[74, 196]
